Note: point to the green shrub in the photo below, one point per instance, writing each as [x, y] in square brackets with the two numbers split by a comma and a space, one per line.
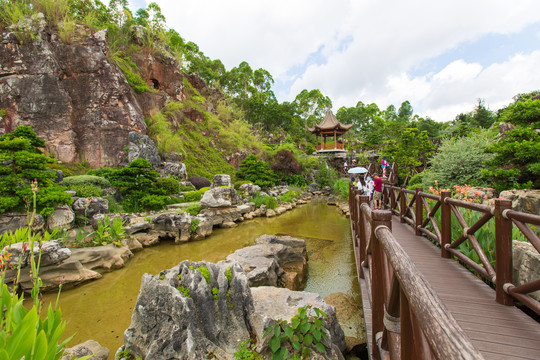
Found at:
[259, 199]
[256, 171]
[196, 195]
[205, 273]
[87, 191]
[193, 209]
[23, 166]
[153, 202]
[459, 161]
[271, 202]
[194, 225]
[79, 180]
[114, 206]
[169, 185]
[104, 172]
[295, 180]
[326, 176]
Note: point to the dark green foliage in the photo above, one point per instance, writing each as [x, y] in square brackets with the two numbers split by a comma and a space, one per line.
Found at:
[257, 171]
[295, 180]
[517, 160]
[136, 177]
[522, 113]
[168, 185]
[194, 209]
[21, 162]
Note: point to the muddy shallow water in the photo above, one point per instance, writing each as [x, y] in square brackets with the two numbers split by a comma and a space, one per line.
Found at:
[101, 310]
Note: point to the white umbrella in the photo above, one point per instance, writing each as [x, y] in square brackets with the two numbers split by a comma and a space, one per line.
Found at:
[357, 170]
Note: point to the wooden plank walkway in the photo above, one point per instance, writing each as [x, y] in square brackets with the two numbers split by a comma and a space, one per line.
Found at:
[497, 331]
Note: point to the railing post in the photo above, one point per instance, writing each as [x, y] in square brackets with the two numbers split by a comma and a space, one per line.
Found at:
[403, 205]
[503, 251]
[379, 217]
[419, 211]
[392, 199]
[385, 193]
[446, 224]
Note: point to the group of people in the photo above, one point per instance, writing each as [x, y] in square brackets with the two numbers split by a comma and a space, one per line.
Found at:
[370, 187]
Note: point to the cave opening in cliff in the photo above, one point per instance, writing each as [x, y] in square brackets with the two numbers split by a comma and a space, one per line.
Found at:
[155, 83]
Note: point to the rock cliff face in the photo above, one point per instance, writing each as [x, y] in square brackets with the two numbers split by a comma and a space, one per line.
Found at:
[72, 96]
[77, 100]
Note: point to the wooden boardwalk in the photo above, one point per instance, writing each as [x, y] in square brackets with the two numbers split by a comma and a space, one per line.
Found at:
[497, 331]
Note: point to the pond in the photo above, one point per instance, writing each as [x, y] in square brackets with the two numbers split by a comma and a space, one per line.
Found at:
[101, 310]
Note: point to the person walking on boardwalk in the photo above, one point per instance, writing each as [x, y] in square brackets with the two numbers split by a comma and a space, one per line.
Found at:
[384, 165]
[377, 192]
[369, 186]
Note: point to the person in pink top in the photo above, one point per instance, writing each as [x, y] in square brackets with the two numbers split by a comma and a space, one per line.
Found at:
[377, 192]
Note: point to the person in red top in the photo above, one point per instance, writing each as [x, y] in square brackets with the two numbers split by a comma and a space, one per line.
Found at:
[377, 192]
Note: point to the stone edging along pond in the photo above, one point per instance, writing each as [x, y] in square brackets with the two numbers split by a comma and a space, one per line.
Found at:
[76, 265]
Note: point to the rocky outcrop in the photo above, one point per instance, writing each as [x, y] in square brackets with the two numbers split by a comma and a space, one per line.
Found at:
[142, 147]
[174, 225]
[69, 93]
[176, 169]
[87, 348]
[181, 315]
[249, 189]
[14, 221]
[219, 197]
[526, 263]
[197, 310]
[523, 200]
[221, 180]
[274, 261]
[63, 217]
[87, 208]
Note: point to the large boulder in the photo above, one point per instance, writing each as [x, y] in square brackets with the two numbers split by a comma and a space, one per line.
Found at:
[63, 217]
[222, 215]
[274, 261]
[176, 169]
[176, 226]
[14, 221]
[181, 315]
[219, 197]
[351, 319]
[102, 258]
[523, 200]
[221, 180]
[526, 263]
[199, 182]
[249, 189]
[87, 208]
[142, 147]
[52, 253]
[273, 304]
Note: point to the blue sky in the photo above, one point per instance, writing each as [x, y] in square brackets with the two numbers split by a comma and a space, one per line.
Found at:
[441, 56]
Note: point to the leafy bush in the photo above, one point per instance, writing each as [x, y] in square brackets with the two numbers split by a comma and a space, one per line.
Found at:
[79, 180]
[87, 191]
[169, 185]
[515, 160]
[296, 338]
[295, 180]
[326, 176]
[21, 162]
[194, 225]
[285, 164]
[193, 209]
[459, 161]
[192, 196]
[246, 351]
[256, 171]
[259, 199]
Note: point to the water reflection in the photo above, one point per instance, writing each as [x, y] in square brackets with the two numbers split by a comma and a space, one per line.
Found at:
[101, 310]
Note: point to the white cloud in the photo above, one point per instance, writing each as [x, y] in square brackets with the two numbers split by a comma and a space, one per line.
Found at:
[384, 41]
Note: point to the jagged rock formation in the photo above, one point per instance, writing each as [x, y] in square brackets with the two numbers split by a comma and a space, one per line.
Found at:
[80, 102]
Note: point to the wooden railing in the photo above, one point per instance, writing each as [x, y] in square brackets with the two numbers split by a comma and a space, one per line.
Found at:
[409, 321]
[433, 215]
[330, 146]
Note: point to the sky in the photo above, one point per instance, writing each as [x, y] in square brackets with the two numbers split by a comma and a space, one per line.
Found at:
[441, 56]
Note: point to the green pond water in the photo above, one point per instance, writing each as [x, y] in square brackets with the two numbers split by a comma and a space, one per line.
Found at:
[101, 310]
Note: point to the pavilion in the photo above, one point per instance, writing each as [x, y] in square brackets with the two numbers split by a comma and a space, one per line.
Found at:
[330, 127]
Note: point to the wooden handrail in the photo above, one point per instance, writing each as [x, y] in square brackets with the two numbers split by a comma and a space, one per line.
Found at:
[446, 338]
[412, 210]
